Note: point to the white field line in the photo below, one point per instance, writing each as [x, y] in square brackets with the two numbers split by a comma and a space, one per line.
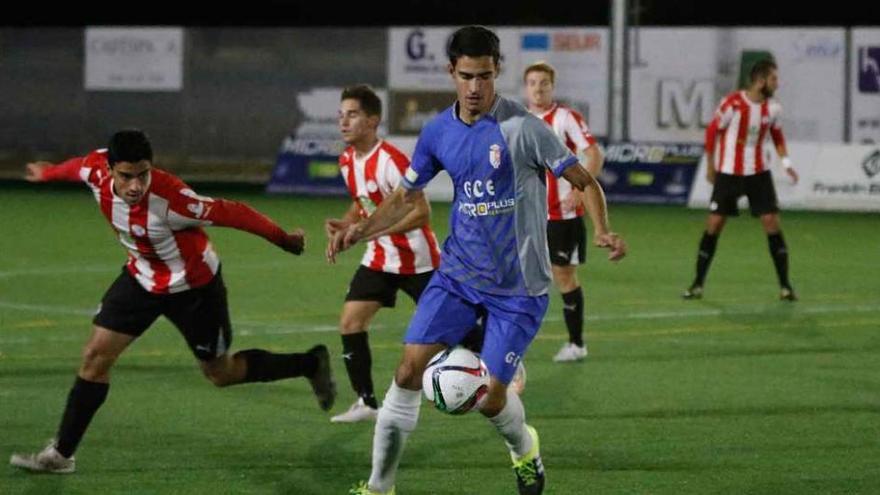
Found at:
[247, 327]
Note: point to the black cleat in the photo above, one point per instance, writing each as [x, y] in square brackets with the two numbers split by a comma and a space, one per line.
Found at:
[787, 294]
[322, 381]
[693, 292]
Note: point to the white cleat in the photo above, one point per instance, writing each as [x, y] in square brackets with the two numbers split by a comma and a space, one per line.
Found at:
[518, 383]
[356, 413]
[570, 352]
[48, 460]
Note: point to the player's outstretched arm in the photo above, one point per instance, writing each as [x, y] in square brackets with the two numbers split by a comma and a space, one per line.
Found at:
[598, 211]
[393, 210]
[47, 172]
[237, 215]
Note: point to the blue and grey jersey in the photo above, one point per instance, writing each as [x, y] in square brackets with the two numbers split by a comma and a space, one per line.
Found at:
[498, 227]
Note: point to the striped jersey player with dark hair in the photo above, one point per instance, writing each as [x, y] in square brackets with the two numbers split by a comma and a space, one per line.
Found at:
[172, 270]
[401, 258]
[495, 259]
[566, 233]
[736, 163]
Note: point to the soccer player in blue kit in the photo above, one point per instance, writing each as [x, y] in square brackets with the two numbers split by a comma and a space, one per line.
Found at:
[495, 259]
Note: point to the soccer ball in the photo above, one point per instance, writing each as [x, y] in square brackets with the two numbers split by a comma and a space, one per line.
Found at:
[456, 380]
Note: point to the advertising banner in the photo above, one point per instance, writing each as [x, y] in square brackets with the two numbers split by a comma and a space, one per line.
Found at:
[649, 172]
[672, 97]
[133, 59]
[308, 161]
[865, 86]
[417, 63]
[832, 177]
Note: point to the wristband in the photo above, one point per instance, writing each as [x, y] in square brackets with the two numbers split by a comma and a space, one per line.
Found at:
[786, 162]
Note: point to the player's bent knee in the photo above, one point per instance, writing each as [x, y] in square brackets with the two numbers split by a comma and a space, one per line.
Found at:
[408, 377]
[96, 364]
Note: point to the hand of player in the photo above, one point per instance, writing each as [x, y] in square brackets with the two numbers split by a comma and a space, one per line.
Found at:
[33, 172]
[572, 200]
[295, 242]
[710, 175]
[332, 225]
[792, 174]
[341, 240]
[614, 243]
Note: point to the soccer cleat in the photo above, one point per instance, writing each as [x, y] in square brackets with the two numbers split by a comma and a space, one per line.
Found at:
[693, 292]
[322, 381]
[358, 412]
[48, 460]
[363, 489]
[518, 383]
[529, 469]
[570, 352]
[787, 294]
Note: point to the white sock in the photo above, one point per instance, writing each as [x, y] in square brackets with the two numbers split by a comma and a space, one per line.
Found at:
[396, 420]
[511, 424]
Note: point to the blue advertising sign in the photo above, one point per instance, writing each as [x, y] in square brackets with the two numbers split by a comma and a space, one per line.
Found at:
[655, 173]
[308, 166]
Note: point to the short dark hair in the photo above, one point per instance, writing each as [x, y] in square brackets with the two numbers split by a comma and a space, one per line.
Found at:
[473, 41]
[369, 100]
[129, 145]
[762, 68]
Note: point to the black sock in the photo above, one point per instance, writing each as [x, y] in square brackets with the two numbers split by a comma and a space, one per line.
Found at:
[83, 401]
[779, 253]
[358, 364]
[573, 311]
[265, 366]
[704, 256]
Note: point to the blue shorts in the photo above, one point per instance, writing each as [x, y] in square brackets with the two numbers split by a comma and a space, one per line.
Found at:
[448, 310]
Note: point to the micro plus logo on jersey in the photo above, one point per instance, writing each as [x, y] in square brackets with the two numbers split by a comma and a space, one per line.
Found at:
[869, 69]
[481, 200]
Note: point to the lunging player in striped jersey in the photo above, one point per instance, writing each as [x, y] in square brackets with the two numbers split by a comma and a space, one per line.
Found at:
[172, 270]
[737, 165]
[402, 257]
[566, 233]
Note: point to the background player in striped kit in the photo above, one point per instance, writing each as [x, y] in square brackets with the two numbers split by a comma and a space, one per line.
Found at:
[566, 233]
[402, 257]
[172, 270]
[494, 260]
[740, 128]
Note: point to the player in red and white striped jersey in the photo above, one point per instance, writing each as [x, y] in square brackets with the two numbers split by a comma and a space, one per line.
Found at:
[566, 233]
[737, 165]
[172, 270]
[403, 257]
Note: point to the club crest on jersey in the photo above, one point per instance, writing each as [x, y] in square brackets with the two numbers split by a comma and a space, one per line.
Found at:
[495, 156]
[138, 230]
[372, 186]
[197, 209]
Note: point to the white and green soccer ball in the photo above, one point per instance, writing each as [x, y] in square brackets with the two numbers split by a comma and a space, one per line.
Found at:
[456, 380]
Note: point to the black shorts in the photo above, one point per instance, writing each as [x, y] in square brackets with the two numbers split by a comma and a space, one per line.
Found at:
[758, 188]
[567, 240]
[201, 314]
[372, 285]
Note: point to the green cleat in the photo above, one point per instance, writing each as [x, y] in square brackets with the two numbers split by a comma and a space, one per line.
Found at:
[529, 469]
[363, 488]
